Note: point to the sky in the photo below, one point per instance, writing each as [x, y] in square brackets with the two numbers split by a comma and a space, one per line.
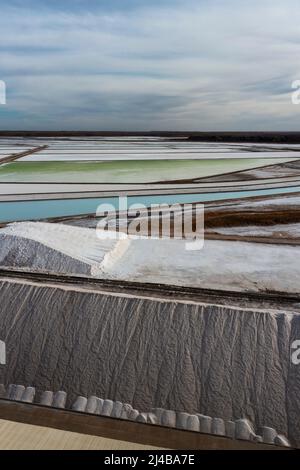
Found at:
[202, 65]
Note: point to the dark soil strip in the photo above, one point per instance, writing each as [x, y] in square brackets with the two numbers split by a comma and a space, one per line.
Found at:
[16, 156]
[253, 239]
[143, 192]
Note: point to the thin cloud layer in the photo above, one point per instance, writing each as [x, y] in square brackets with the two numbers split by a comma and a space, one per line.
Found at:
[139, 65]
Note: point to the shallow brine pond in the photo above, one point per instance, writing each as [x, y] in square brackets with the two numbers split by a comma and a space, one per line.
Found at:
[125, 171]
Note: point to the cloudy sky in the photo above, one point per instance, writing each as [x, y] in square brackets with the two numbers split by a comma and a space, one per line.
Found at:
[149, 64]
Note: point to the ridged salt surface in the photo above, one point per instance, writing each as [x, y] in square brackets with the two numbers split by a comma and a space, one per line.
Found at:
[236, 266]
[227, 265]
[224, 362]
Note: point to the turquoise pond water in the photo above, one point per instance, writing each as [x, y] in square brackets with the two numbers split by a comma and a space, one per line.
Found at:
[33, 210]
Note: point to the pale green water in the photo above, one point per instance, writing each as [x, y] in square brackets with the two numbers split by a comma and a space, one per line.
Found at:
[124, 171]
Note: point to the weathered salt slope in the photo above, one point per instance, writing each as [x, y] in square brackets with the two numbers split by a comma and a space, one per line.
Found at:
[52, 247]
[76, 242]
[222, 362]
[226, 265]
[18, 252]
